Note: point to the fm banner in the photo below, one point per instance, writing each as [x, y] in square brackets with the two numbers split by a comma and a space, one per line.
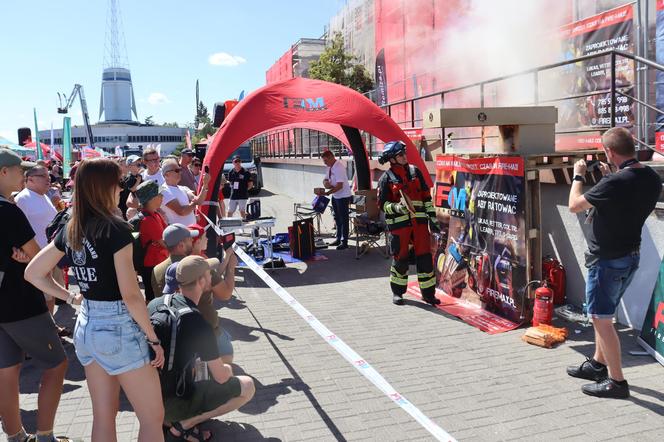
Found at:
[609, 30]
[482, 256]
[652, 332]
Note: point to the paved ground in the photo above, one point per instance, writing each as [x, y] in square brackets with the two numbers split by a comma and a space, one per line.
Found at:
[477, 387]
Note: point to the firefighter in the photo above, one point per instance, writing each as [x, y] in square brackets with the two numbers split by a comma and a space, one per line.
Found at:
[405, 198]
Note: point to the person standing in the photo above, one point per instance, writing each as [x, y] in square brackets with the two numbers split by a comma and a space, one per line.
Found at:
[405, 198]
[240, 181]
[186, 175]
[153, 166]
[179, 202]
[336, 183]
[617, 207]
[26, 326]
[113, 332]
[130, 182]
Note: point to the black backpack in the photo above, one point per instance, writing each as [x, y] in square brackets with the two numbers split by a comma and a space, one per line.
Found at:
[138, 249]
[175, 381]
[58, 223]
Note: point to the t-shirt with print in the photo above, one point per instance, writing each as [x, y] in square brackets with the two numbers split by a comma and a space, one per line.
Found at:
[621, 203]
[239, 181]
[94, 265]
[181, 195]
[18, 298]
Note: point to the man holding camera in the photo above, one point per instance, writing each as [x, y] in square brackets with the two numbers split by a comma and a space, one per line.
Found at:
[617, 207]
[404, 196]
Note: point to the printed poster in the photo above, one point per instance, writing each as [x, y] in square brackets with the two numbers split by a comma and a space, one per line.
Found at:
[652, 332]
[480, 254]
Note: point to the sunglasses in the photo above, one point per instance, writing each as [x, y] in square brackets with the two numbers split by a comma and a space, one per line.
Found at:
[175, 170]
[153, 160]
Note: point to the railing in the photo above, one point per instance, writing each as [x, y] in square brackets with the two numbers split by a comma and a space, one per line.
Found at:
[300, 143]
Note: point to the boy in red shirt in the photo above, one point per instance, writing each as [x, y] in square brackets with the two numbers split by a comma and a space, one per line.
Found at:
[150, 233]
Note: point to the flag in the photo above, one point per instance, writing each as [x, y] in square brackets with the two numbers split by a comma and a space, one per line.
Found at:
[66, 146]
[40, 154]
[187, 139]
[241, 96]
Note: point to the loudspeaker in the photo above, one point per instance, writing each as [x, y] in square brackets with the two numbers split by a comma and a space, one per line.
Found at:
[24, 135]
[200, 152]
[218, 113]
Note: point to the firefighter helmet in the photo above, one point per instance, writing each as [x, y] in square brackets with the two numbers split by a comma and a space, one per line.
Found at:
[391, 150]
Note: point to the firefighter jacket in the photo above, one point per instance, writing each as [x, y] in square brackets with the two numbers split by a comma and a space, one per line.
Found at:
[407, 180]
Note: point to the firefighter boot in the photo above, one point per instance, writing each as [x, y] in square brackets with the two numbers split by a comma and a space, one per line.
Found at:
[398, 300]
[398, 280]
[427, 279]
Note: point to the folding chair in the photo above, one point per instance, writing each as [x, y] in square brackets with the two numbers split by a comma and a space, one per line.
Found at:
[305, 210]
[368, 234]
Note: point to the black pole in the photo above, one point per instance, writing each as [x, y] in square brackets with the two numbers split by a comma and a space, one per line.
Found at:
[613, 89]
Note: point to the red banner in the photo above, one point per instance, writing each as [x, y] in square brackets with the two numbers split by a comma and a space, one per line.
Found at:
[481, 166]
[608, 18]
[659, 142]
[576, 142]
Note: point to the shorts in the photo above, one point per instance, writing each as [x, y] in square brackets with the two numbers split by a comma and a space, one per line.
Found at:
[105, 333]
[36, 336]
[224, 343]
[234, 204]
[607, 281]
[207, 396]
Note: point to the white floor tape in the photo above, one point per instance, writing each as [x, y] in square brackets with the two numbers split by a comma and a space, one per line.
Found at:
[348, 353]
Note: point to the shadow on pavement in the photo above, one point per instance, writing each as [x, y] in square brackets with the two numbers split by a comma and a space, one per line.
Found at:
[241, 332]
[654, 406]
[223, 431]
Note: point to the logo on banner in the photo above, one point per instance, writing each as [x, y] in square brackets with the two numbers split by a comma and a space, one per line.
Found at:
[456, 199]
[307, 104]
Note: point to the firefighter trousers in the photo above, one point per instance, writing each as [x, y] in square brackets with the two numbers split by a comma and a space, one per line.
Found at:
[400, 241]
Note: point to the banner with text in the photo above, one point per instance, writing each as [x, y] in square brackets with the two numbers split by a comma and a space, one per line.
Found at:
[652, 332]
[481, 254]
[659, 83]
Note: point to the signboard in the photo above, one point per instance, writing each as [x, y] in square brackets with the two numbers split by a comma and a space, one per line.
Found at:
[652, 332]
[482, 259]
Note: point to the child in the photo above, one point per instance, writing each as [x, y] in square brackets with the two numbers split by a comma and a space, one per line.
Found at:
[150, 232]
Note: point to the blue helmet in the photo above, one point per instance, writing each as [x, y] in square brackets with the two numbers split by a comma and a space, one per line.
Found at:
[391, 150]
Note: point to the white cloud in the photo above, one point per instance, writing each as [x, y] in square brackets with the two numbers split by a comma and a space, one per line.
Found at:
[158, 98]
[224, 59]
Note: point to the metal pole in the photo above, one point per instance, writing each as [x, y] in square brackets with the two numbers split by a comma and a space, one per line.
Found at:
[412, 113]
[536, 87]
[646, 83]
[482, 105]
[613, 89]
[637, 67]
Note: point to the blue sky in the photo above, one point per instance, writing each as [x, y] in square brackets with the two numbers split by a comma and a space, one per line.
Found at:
[54, 44]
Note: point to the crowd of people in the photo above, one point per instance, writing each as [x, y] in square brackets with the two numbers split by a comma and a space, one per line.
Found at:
[130, 221]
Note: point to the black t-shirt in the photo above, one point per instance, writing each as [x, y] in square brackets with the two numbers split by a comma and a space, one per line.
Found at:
[128, 181]
[18, 298]
[94, 266]
[239, 182]
[621, 203]
[195, 337]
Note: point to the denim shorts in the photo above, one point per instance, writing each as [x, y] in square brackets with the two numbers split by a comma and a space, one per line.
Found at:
[607, 281]
[105, 333]
[224, 343]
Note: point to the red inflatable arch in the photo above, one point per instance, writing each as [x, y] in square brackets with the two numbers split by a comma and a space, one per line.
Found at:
[301, 102]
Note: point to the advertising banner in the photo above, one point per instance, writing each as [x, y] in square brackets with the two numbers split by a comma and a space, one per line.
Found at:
[482, 258]
[612, 29]
[659, 83]
[652, 332]
[381, 79]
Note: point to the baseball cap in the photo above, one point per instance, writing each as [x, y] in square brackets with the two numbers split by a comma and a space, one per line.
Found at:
[169, 165]
[9, 158]
[193, 267]
[177, 232]
[171, 285]
[147, 190]
[186, 151]
[197, 227]
[237, 158]
[131, 159]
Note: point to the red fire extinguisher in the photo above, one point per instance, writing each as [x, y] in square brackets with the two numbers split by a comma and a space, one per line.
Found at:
[543, 307]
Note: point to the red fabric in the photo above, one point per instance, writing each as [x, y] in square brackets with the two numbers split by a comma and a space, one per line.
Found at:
[150, 231]
[44, 147]
[418, 235]
[329, 128]
[279, 104]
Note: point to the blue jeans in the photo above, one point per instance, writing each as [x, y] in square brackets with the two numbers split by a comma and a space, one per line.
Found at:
[341, 218]
[105, 333]
[607, 281]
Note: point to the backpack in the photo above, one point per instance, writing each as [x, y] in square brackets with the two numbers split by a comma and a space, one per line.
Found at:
[138, 249]
[175, 381]
[58, 223]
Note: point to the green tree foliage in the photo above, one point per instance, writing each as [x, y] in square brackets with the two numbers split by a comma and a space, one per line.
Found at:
[149, 121]
[203, 122]
[337, 66]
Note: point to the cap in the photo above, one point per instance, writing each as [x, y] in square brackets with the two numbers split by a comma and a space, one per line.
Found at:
[177, 232]
[131, 159]
[193, 267]
[237, 157]
[9, 158]
[171, 285]
[169, 165]
[186, 151]
[198, 228]
[146, 191]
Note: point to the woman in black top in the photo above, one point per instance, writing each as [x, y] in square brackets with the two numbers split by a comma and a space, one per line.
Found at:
[113, 330]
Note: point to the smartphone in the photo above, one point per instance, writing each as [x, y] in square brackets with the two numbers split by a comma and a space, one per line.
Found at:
[592, 165]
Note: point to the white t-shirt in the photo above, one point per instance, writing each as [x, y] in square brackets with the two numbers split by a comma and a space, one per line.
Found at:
[181, 194]
[39, 210]
[157, 177]
[337, 174]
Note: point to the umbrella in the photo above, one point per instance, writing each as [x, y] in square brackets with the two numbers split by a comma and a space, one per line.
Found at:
[4, 142]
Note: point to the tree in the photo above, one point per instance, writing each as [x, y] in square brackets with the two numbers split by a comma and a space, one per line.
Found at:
[337, 66]
[203, 122]
[149, 121]
[173, 124]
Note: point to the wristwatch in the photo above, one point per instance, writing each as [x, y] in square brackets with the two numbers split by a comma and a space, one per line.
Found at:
[579, 178]
[157, 342]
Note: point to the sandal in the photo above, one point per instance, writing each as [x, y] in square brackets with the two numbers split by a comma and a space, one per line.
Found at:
[193, 432]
